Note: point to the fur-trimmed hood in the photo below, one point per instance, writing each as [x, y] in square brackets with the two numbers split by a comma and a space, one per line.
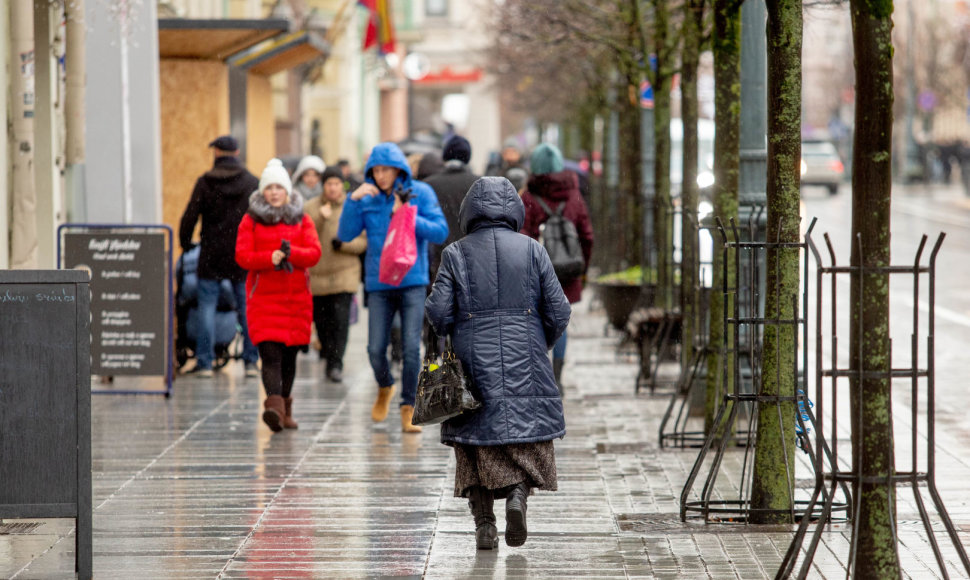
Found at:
[290, 213]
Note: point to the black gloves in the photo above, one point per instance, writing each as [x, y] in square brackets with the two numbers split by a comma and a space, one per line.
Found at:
[337, 244]
[285, 263]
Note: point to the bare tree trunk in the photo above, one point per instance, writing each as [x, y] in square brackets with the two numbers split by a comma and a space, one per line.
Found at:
[689, 264]
[871, 398]
[23, 215]
[727, 119]
[774, 463]
[661, 81]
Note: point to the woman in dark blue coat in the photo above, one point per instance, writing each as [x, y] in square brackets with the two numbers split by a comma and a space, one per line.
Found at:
[497, 296]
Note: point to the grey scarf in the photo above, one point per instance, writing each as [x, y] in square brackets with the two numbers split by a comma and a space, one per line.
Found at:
[290, 213]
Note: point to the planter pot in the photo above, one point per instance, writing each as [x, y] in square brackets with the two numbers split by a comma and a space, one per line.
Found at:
[620, 300]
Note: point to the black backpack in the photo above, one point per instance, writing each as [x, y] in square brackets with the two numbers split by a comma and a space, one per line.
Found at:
[559, 237]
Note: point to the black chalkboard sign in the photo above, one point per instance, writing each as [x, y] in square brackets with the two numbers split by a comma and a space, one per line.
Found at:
[45, 400]
[131, 297]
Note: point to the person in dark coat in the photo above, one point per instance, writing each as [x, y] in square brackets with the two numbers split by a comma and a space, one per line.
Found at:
[498, 298]
[451, 185]
[220, 198]
[555, 186]
[280, 305]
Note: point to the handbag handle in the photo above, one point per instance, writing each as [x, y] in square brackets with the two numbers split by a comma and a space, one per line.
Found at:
[432, 352]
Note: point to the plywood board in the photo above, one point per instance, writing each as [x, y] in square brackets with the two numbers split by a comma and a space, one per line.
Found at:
[194, 111]
[260, 123]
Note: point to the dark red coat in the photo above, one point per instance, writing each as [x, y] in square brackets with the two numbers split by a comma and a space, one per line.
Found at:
[279, 306]
[554, 188]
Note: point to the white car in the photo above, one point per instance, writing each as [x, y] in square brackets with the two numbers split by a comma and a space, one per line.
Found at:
[821, 165]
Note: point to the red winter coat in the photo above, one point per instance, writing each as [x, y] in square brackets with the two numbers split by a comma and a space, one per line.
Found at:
[555, 188]
[279, 306]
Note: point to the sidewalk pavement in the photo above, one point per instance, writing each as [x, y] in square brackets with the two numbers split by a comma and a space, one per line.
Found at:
[196, 487]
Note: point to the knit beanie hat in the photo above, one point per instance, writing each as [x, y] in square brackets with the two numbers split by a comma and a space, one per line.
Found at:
[545, 159]
[331, 172]
[309, 162]
[275, 173]
[457, 148]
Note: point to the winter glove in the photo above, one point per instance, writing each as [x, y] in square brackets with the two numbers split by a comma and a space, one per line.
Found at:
[285, 263]
[337, 244]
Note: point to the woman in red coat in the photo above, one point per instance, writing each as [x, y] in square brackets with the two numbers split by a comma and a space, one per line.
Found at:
[276, 242]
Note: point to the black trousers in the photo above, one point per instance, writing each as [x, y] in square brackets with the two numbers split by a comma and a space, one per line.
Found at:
[331, 316]
[279, 367]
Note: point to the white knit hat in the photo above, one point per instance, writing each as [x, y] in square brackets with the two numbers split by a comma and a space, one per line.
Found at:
[275, 173]
[309, 162]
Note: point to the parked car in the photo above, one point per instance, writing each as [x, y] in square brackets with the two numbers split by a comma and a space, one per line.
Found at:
[821, 165]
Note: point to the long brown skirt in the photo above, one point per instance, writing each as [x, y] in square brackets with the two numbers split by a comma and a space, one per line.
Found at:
[499, 467]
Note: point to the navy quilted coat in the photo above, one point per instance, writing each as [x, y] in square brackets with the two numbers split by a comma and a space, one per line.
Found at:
[497, 295]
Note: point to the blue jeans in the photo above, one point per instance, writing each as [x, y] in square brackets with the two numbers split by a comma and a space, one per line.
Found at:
[205, 342]
[559, 350]
[382, 305]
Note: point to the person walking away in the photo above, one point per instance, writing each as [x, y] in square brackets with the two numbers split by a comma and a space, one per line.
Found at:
[220, 198]
[502, 334]
[335, 278]
[557, 188]
[369, 208]
[450, 185]
[306, 177]
[277, 243]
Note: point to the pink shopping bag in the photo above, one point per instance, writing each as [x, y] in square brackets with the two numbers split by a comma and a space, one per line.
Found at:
[400, 247]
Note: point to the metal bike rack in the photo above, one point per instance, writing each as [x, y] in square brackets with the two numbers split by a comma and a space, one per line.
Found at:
[736, 419]
[831, 475]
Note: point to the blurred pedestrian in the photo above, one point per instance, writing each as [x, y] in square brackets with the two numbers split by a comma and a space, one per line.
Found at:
[450, 185]
[519, 177]
[220, 198]
[351, 181]
[501, 333]
[277, 243]
[429, 164]
[557, 188]
[511, 157]
[369, 208]
[336, 277]
[306, 177]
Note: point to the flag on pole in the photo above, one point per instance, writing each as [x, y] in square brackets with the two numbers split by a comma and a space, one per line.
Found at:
[380, 30]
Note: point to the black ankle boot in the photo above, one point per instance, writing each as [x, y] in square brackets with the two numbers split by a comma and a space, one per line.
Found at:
[515, 507]
[480, 500]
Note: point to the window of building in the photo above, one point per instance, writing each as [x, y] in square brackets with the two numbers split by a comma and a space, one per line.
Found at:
[437, 8]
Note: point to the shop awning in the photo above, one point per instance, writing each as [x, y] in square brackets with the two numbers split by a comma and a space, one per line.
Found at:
[284, 53]
[216, 39]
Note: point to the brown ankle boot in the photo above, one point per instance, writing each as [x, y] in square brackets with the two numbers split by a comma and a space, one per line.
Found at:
[288, 422]
[407, 413]
[274, 409]
[383, 403]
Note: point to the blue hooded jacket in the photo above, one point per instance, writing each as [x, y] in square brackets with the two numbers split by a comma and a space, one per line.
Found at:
[497, 295]
[373, 213]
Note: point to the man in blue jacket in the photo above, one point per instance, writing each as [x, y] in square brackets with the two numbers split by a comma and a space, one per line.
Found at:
[369, 207]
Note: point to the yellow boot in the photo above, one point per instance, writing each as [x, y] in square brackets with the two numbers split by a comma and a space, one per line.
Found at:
[407, 412]
[383, 404]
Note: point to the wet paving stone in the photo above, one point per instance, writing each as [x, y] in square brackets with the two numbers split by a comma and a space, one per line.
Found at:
[196, 487]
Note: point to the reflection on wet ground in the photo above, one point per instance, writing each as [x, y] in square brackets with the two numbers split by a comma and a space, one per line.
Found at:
[196, 487]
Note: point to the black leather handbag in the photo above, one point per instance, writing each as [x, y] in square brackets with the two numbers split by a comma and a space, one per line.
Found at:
[443, 390]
